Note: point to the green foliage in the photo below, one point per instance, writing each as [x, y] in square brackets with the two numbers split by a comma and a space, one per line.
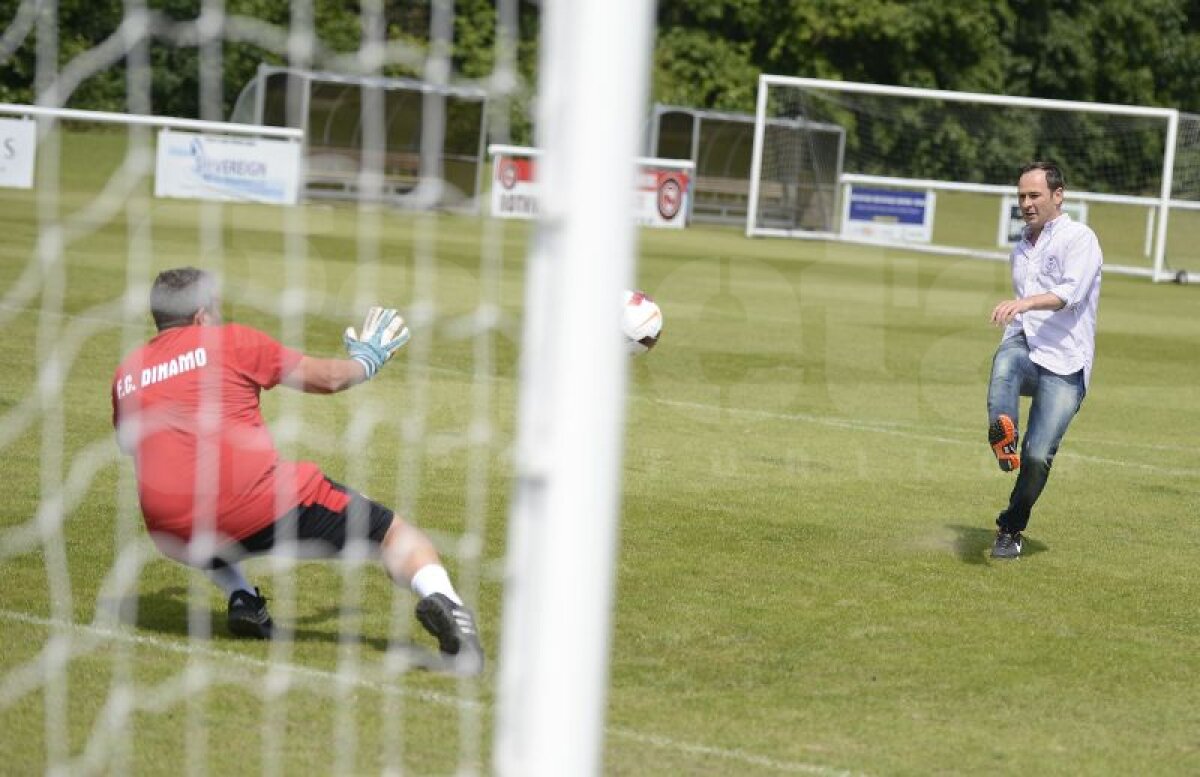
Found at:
[175, 83]
[1121, 51]
[694, 67]
[709, 52]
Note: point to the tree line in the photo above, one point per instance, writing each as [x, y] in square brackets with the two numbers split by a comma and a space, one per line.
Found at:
[707, 54]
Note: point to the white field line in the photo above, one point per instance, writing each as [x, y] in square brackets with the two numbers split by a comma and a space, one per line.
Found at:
[790, 767]
[17, 684]
[94, 633]
[896, 430]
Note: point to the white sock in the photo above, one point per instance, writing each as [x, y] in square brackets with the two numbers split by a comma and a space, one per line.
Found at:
[433, 579]
[229, 579]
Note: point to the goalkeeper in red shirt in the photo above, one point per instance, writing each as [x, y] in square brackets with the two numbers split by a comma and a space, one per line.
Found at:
[212, 487]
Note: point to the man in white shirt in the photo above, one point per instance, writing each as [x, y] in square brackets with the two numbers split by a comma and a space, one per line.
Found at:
[1048, 344]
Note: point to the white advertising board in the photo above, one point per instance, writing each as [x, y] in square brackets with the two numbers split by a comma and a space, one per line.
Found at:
[514, 191]
[18, 150]
[1011, 222]
[661, 198]
[888, 215]
[222, 167]
[662, 193]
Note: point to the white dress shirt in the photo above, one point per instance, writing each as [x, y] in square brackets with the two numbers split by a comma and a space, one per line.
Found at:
[1066, 262]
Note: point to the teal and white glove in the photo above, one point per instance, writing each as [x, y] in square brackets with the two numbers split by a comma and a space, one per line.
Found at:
[383, 333]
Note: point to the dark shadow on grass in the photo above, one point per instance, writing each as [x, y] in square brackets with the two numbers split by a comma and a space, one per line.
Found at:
[973, 544]
[165, 611]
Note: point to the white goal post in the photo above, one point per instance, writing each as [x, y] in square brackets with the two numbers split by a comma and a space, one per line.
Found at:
[966, 147]
[554, 653]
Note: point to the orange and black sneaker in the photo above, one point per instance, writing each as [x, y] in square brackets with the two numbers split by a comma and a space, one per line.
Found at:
[1002, 435]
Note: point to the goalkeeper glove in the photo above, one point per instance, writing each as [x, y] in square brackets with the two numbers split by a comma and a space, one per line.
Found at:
[383, 334]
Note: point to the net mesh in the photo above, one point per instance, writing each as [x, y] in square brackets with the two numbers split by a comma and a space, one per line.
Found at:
[936, 139]
[119, 659]
[1115, 155]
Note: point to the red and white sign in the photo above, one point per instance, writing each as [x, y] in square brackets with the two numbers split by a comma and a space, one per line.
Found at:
[662, 195]
[514, 190]
[661, 199]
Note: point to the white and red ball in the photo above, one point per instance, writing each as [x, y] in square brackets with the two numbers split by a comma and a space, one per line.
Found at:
[641, 322]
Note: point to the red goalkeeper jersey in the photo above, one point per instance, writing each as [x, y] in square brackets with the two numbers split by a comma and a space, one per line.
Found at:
[186, 407]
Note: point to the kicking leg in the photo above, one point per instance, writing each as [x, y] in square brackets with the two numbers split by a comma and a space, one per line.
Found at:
[1013, 374]
[1054, 405]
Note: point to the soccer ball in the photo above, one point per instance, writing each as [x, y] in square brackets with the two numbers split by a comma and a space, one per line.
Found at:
[641, 322]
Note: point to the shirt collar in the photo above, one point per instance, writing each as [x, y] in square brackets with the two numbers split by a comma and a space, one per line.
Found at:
[1049, 227]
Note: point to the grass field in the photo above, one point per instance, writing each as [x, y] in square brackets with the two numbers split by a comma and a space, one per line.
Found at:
[803, 581]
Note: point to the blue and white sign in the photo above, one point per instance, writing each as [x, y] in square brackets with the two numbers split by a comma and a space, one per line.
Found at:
[18, 149]
[888, 215]
[223, 167]
[1011, 221]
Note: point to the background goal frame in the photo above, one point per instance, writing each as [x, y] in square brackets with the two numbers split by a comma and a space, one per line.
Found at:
[1160, 205]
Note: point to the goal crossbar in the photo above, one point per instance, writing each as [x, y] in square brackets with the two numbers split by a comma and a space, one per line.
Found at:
[967, 97]
[1161, 205]
[107, 117]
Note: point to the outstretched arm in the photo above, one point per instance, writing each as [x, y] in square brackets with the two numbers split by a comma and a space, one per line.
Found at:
[383, 334]
[324, 376]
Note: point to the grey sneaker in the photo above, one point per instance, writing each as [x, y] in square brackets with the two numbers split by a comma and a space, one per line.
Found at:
[248, 616]
[1008, 544]
[454, 627]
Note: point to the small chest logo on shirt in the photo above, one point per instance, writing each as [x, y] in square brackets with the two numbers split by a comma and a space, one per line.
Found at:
[1050, 265]
[156, 373]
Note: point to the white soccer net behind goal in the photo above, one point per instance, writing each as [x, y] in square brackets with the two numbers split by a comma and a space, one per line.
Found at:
[117, 660]
[934, 170]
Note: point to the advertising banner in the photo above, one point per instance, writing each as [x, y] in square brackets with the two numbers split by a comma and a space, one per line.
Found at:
[662, 196]
[1011, 222]
[888, 215]
[661, 199]
[223, 167]
[514, 191]
[18, 150]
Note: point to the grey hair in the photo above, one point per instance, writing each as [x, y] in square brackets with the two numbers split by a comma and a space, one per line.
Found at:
[179, 294]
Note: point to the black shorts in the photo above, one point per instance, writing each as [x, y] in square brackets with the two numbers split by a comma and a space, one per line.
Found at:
[320, 531]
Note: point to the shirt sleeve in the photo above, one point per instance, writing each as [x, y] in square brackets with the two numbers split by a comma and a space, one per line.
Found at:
[1081, 264]
[261, 358]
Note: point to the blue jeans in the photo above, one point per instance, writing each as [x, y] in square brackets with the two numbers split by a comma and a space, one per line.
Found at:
[1056, 399]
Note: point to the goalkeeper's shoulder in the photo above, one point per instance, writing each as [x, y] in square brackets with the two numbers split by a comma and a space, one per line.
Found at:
[242, 331]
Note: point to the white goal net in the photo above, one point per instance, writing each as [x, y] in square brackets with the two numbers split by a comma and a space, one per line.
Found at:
[118, 660]
[935, 170]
